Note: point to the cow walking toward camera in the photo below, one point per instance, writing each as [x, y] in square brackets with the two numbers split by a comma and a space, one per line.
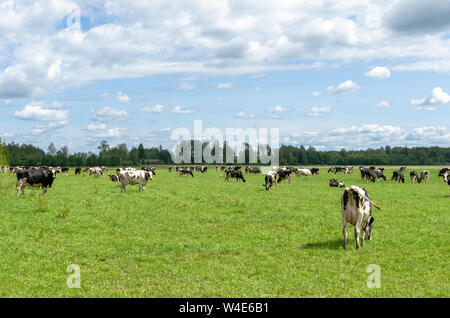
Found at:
[271, 180]
[356, 209]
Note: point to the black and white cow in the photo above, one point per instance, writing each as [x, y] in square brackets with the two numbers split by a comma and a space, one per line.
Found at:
[114, 177]
[424, 176]
[398, 176]
[35, 178]
[235, 173]
[285, 173]
[356, 209]
[140, 177]
[335, 183]
[271, 180]
[185, 170]
[414, 176]
[77, 170]
[314, 171]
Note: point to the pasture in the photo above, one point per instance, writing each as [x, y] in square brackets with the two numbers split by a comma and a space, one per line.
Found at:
[204, 237]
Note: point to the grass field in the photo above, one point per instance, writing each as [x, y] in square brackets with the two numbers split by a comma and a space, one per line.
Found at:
[203, 237]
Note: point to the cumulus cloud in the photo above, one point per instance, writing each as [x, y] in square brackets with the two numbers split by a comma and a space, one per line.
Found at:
[418, 16]
[182, 110]
[383, 104]
[379, 72]
[347, 87]
[135, 39]
[122, 97]
[317, 111]
[438, 96]
[39, 111]
[373, 136]
[109, 115]
[158, 108]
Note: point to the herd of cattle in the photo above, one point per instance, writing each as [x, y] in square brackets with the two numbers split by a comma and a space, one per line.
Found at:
[356, 205]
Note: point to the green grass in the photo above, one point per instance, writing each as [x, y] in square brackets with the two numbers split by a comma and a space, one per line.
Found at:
[203, 237]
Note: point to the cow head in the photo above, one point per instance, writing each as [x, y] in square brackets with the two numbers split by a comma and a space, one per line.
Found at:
[148, 175]
[368, 228]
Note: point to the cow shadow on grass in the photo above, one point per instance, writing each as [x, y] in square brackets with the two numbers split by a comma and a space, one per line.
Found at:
[329, 245]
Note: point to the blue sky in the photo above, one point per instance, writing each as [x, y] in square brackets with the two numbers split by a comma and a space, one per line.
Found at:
[329, 74]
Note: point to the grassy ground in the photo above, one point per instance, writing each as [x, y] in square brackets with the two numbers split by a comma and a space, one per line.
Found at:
[203, 237]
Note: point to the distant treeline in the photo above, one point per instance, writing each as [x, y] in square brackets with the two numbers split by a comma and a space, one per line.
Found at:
[4, 161]
[120, 155]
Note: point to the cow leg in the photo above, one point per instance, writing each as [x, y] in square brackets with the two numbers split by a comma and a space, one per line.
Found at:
[363, 235]
[45, 191]
[344, 231]
[357, 230]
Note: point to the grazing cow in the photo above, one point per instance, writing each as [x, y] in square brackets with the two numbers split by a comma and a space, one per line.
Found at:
[140, 177]
[443, 171]
[185, 170]
[77, 170]
[335, 183]
[414, 176]
[356, 209]
[398, 176]
[35, 178]
[254, 170]
[114, 177]
[271, 180]
[424, 176]
[314, 171]
[303, 172]
[95, 171]
[285, 173]
[234, 173]
[65, 170]
[170, 169]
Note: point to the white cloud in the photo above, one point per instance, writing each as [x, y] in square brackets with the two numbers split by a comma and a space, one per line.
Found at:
[383, 104]
[108, 114]
[182, 110]
[278, 109]
[244, 115]
[347, 87]
[96, 127]
[438, 96]
[41, 112]
[111, 133]
[122, 97]
[379, 72]
[225, 85]
[317, 111]
[316, 93]
[155, 109]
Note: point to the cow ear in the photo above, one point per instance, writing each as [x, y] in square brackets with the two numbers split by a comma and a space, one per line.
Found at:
[371, 221]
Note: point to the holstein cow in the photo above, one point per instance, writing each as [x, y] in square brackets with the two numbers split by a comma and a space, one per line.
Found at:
[335, 183]
[185, 170]
[303, 172]
[356, 209]
[77, 170]
[234, 173]
[35, 178]
[114, 177]
[271, 180]
[398, 176]
[140, 177]
[424, 176]
[285, 173]
[413, 175]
